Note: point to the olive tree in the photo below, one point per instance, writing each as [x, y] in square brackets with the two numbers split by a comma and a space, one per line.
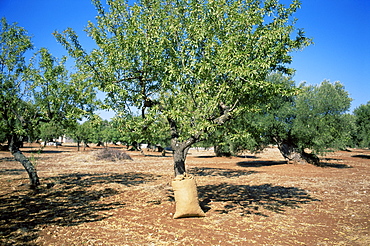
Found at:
[196, 63]
[362, 121]
[321, 122]
[316, 119]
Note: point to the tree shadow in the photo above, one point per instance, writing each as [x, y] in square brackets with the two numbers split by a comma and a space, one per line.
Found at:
[229, 173]
[88, 179]
[324, 163]
[214, 156]
[247, 199]
[45, 151]
[362, 156]
[7, 159]
[73, 200]
[260, 163]
[203, 156]
[159, 155]
[12, 171]
[334, 165]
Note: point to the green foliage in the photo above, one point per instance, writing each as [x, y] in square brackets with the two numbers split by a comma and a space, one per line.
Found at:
[152, 130]
[59, 96]
[362, 121]
[38, 97]
[14, 43]
[197, 63]
[96, 130]
[321, 119]
[316, 118]
[81, 132]
[255, 130]
[50, 130]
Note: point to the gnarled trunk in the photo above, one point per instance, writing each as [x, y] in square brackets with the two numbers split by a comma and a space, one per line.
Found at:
[296, 155]
[19, 156]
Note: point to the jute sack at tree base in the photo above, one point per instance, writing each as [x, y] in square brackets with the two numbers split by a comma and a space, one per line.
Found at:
[186, 197]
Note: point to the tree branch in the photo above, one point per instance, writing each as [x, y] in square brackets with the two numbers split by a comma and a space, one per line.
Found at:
[226, 113]
[141, 78]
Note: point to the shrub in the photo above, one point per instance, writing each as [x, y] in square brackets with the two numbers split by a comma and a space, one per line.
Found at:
[109, 154]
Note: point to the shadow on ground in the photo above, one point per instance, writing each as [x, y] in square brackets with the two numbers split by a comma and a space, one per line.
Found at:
[247, 199]
[12, 171]
[260, 163]
[334, 165]
[7, 159]
[219, 172]
[74, 199]
[362, 156]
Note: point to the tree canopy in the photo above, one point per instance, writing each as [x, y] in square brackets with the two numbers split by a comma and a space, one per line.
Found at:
[316, 119]
[37, 91]
[362, 120]
[196, 63]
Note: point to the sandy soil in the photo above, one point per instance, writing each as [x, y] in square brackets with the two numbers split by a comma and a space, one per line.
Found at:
[248, 200]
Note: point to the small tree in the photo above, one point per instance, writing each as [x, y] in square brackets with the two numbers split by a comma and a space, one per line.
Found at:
[14, 110]
[362, 121]
[49, 131]
[40, 91]
[81, 133]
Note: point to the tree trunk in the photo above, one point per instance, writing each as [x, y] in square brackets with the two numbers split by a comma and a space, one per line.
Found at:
[86, 145]
[296, 155]
[180, 152]
[220, 151]
[19, 156]
[179, 156]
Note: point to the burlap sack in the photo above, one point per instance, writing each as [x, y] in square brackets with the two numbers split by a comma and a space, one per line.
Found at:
[186, 197]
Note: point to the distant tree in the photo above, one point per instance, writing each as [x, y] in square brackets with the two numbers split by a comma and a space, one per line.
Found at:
[48, 131]
[322, 118]
[111, 133]
[315, 119]
[134, 130]
[151, 130]
[362, 121]
[247, 132]
[233, 138]
[116, 132]
[81, 133]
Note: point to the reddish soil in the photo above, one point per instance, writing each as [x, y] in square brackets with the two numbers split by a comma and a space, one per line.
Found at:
[248, 200]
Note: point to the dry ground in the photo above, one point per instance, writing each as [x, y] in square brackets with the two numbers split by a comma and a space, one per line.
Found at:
[248, 200]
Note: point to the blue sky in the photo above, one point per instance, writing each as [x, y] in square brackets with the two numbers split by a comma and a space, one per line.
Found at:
[340, 30]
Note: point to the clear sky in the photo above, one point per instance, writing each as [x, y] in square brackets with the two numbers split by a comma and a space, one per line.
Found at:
[340, 30]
